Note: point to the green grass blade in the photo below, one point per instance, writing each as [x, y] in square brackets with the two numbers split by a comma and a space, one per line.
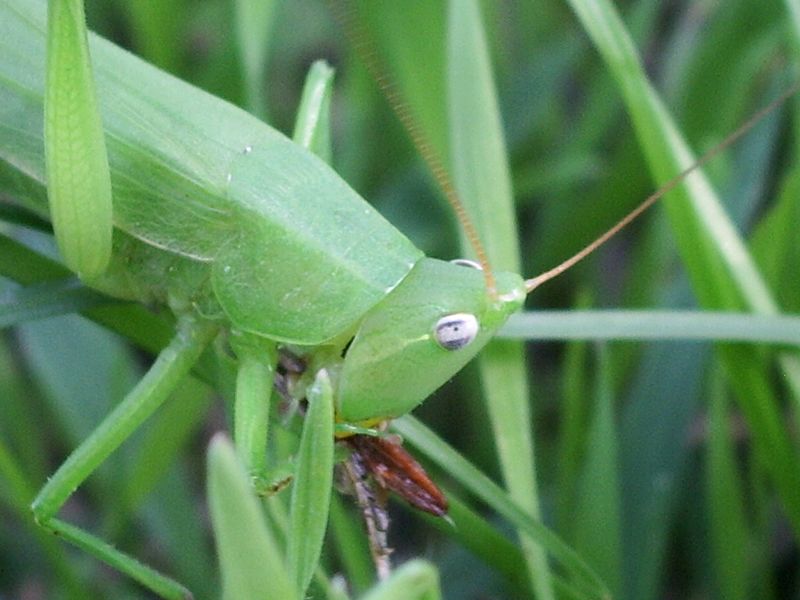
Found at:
[597, 519]
[158, 32]
[351, 546]
[573, 424]
[312, 128]
[162, 441]
[250, 561]
[723, 273]
[660, 406]
[726, 504]
[439, 452]
[163, 586]
[48, 300]
[17, 492]
[652, 325]
[775, 243]
[415, 580]
[477, 534]
[481, 174]
[311, 490]
[79, 181]
[254, 21]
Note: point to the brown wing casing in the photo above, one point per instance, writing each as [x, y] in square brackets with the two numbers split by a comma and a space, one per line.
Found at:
[395, 469]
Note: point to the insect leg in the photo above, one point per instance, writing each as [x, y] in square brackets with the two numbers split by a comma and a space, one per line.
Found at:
[373, 510]
[172, 364]
[254, 380]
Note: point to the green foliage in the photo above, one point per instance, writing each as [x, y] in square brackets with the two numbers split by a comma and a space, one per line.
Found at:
[667, 468]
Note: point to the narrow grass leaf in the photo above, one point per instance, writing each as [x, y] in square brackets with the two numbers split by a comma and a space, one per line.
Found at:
[17, 492]
[572, 427]
[254, 21]
[148, 577]
[311, 490]
[415, 580]
[481, 174]
[312, 127]
[158, 32]
[161, 443]
[726, 505]
[48, 300]
[775, 244]
[439, 452]
[351, 544]
[597, 518]
[250, 561]
[652, 325]
[79, 182]
[474, 532]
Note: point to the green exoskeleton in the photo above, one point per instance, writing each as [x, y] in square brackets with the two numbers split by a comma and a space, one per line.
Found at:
[237, 229]
[255, 235]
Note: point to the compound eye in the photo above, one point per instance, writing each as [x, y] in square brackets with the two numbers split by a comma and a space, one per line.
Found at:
[453, 332]
[465, 262]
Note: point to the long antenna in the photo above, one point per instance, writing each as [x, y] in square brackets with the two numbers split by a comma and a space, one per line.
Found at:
[534, 282]
[366, 48]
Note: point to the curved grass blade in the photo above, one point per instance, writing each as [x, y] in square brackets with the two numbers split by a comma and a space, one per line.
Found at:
[439, 452]
[250, 561]
[79, 181]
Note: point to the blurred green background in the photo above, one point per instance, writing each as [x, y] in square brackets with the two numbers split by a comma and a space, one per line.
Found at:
[691, 512]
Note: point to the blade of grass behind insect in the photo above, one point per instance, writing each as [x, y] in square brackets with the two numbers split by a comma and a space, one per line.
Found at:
[658, 409]
[572, 426]
[407, 38]
[47, 300]
[79, 181]
[170, 521]
[721, 269]
[475, 533]
[158, 32]
[582, 580]
[596, 518]
[726, 510]
[82, 371]
[793, 8]
[19, 405]
[351, 546]
[311, 489]
[775, 244]
[18, 493]
[250, 560]
[159, 445]
[254, 22]
[481, 174]
[312, 128]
